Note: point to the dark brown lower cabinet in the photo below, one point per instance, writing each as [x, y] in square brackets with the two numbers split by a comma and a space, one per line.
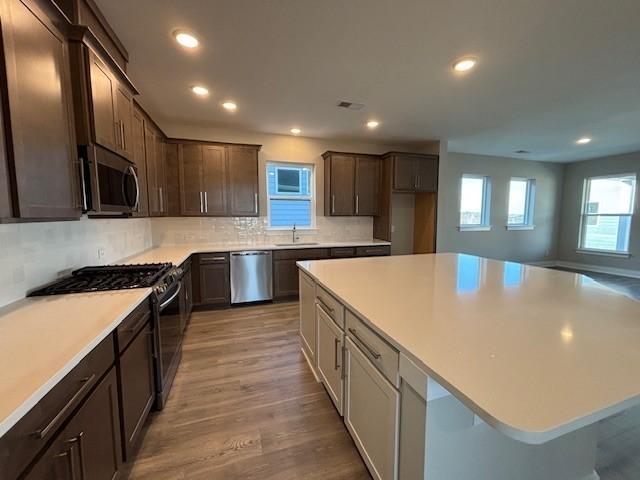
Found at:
[89, 447]
[214, 287]
[136, 387]
[285, 270]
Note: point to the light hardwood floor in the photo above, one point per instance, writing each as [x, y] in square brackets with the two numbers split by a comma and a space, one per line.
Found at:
[245, 405]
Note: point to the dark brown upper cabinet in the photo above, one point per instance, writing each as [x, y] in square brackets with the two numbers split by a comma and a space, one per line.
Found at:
[351, 184]
[242, 163]
[191, 176]
[214, 179]
[138, 157]
[414, 172]
[40, 164]
[203, 180]
[156, 178]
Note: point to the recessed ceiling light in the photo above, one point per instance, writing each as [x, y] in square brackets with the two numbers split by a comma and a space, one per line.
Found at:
[465, 64]
[229, 106]
[186, 39]
[583, 141]
[296, 131]
[373, 124]
[200, 90]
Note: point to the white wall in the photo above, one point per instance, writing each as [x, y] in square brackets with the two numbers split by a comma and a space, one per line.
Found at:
[32, 254]
[536, 245]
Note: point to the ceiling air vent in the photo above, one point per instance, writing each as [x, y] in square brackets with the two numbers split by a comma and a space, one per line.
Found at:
[350, 105]
[522, 152]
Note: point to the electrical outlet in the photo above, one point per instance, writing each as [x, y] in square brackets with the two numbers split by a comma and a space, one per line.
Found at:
[101, 253]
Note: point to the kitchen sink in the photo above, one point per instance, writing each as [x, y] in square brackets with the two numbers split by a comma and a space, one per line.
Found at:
[290, 244]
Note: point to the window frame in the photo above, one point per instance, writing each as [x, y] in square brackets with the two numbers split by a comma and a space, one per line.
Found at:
[284, 196]
[529, 206]
[584, 215]
[485, 209]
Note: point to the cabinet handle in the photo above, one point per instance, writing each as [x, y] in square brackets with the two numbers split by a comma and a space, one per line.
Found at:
[255, 202]
[206, 203]
[122, 136]
[333, 204]
[213, 259]
[161, 199]
[357, 204]
[87, 382]
[71, 464]
[419, 182]
[78, 439]
[336, 364]
[201, 204]
[116, 128]
[324, 305]
[373, 352]
[83, 186]
[415, 182]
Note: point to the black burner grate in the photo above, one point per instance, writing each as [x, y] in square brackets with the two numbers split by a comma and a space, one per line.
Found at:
[111, 277]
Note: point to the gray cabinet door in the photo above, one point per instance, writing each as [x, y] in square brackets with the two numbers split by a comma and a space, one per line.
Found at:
[329, 356]
[308, 317]
[370, 396]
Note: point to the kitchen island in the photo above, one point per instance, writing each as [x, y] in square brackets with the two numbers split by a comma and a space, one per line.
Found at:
[472, 368]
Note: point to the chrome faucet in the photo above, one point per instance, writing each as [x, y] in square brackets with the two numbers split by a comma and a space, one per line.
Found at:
[293, 234]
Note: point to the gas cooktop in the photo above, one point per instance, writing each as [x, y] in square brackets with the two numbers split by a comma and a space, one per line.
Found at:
[109, 277]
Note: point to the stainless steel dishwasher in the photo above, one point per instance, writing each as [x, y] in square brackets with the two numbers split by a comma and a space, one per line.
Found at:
[251, 279]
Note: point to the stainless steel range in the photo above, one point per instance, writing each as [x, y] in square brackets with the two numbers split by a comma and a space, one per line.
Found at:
[168, 307]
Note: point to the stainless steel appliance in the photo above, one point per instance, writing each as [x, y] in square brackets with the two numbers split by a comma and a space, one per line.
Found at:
[168, 302]
[251, 279]
[110, 184]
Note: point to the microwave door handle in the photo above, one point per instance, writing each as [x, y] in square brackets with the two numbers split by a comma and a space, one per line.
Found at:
[130, 171]
[136, 205]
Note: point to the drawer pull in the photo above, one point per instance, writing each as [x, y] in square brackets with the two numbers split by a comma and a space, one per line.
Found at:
[78, 439]
[213, 259]
[336, 364]
[325, 307]
[86, 384]
[139, 324]
[372, 351]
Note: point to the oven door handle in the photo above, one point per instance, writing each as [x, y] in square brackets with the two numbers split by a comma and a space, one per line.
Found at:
[164, 304]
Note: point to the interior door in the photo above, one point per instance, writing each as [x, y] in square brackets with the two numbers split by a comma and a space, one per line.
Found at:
[104, 110]
[191, 191]
[214, 180]
[44, 153]
[243, 181]
[370, 396]
[329, 356]
[342, 185]
[367, 186]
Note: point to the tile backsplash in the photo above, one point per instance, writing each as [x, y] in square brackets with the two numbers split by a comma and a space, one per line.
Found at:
[32, 254]
[250, 230]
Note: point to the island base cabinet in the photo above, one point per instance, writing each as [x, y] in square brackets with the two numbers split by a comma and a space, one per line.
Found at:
[329, 357]
[371, 414]
[308, 320]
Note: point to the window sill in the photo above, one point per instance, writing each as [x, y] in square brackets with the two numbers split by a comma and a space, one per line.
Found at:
[520, 227]
[474, 228]
[603, 253]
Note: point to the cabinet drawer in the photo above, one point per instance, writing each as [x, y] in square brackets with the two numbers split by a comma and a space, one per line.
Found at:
[209, 258]
[343, 252]
[373, 251]
[132, 324]
[20, 445]
[382, 355]
[301, 254]
[332, 307]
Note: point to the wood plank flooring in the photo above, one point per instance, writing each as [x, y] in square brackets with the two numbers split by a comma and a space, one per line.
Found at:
[245, 405]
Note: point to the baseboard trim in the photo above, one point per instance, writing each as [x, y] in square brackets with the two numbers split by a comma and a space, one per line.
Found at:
[623, 272]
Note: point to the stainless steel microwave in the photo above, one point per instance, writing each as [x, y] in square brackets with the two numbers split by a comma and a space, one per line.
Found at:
[110, 184]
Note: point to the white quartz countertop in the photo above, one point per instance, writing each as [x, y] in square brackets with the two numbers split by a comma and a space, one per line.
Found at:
[177, 254]
[534, 352]
[44, 338]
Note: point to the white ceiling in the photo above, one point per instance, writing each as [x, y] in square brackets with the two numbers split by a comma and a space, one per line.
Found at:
[550, 71]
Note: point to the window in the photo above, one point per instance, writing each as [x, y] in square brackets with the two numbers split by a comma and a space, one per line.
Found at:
[475, 192]
[290, 191]
[607, 209]
[522, 194]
